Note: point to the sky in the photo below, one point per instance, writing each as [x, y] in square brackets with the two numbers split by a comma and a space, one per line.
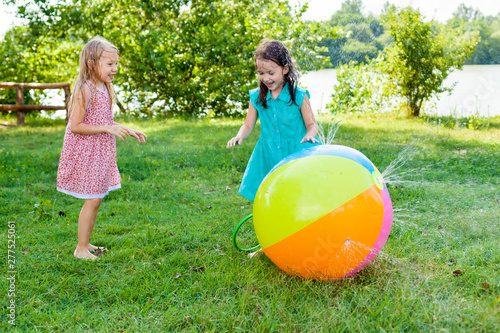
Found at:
[7, 19]
[441, 10]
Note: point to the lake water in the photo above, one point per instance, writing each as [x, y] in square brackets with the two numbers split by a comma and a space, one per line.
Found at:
[477, 91]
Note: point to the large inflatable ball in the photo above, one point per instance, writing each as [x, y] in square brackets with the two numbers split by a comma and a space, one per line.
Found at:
[323, 212]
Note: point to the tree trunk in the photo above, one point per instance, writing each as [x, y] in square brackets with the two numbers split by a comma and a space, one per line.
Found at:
[415, 109]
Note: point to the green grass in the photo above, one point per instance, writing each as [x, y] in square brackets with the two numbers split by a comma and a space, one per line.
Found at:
[176, 212]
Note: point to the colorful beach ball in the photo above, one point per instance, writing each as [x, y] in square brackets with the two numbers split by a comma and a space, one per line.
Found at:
[323, 212]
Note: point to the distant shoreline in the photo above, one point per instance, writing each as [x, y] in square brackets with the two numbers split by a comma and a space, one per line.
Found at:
[477, 91]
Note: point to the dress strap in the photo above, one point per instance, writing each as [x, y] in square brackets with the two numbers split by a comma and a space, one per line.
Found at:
[92, 88]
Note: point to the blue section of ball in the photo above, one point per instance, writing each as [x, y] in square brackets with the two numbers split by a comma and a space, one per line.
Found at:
[333, 150]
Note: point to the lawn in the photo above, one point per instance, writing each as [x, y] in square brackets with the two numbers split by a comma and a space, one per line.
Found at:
[172, 266]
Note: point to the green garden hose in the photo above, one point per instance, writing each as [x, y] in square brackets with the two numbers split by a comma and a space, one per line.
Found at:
[236, 232]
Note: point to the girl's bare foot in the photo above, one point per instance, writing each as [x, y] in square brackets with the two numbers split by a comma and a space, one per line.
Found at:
[97, 249]
[255, 254]
[85, 254]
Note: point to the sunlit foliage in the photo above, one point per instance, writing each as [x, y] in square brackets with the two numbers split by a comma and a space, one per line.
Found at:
[181, 57]
[34, 58]
[362, 36]
[470, 20]
[361, 88]
[421, 56]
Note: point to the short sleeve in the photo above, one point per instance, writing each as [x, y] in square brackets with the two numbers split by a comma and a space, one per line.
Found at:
[299, 95]
[254, 97]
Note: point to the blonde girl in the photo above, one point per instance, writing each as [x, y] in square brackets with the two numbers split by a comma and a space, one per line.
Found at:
[87, 167]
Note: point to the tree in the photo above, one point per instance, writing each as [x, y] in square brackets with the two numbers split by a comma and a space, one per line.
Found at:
[182, 57]
[34, 58]
[471, 21]
[464, 14]
[420, 58]
[358, 51]
[360, 89]
[360, 35]
[349, 13]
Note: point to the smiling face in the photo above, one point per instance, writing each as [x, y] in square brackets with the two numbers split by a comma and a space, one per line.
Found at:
[108, 66]
[272, 75]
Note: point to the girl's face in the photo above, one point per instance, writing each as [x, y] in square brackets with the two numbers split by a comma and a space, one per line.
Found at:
[271, 74]
[108, 66]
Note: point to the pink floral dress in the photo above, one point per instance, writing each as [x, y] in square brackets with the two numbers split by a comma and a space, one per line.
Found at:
[87, 168]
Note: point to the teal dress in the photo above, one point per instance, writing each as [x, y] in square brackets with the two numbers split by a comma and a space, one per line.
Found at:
[282, 127]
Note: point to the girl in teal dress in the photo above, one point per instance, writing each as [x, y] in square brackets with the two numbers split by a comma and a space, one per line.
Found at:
[287, 122]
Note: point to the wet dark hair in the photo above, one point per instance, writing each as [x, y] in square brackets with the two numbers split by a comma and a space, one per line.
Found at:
[276, 52]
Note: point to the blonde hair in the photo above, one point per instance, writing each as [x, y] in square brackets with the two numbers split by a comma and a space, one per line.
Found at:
[89, 67]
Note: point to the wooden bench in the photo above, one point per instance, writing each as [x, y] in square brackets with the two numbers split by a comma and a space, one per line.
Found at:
[20, 107]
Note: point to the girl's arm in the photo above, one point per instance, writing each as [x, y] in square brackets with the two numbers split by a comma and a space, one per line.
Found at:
[246, 129]
[309, 121]
[79, 127]
[78, 113]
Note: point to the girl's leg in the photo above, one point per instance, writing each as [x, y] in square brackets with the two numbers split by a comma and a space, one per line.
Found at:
[86, 223]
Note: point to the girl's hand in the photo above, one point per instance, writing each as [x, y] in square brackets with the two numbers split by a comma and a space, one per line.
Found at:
[119, 131]
[237, 140]
[309, 138]
[141, 137]
[246, 128]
